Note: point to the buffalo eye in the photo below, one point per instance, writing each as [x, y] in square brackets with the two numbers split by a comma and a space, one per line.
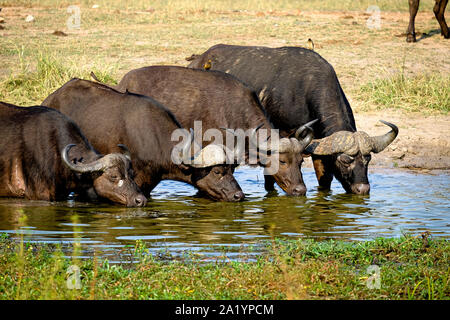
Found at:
[113, 177]
[346, 159]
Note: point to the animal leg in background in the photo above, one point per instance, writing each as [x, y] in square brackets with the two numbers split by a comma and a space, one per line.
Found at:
[324, 175]
[269, 182]
[410, 32]
[439, 9]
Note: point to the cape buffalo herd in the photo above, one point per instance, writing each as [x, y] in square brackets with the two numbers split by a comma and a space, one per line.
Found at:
[231, 106]
[145, 126]
[296, 85]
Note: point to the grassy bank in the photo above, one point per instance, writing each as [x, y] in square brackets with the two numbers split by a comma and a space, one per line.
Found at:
[31, 85]
[408, 268]
[426, 94]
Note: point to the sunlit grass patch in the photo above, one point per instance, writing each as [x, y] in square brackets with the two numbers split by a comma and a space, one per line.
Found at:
[423, 93]
[32, 83]
[408, 268]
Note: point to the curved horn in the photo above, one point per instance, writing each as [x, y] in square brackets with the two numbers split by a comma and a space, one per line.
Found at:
[125, 151]
[91, 167]
[338, 142]
[211, 155]
[304, 127]
[379, 143]
[304, 142]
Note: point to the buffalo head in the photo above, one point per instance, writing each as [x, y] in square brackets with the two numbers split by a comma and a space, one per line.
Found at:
[287, 173]
[351, 152]
[112, 176]
[281, 158]
[209, 171]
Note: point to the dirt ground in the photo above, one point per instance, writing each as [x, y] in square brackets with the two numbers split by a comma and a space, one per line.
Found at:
[423, 143]
[128, 39]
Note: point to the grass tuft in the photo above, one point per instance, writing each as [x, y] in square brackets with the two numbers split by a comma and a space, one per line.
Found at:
[408, 268]
[421, 93]
[33, 83]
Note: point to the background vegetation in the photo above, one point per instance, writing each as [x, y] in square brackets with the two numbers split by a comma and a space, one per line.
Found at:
[376, 67]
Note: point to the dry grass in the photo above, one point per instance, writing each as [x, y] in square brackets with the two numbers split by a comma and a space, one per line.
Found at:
[119, 36]
[422, 93]
[30, 85]
[211, 5]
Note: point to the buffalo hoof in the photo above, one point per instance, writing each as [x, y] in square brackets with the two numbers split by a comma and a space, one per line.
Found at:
[411, 38]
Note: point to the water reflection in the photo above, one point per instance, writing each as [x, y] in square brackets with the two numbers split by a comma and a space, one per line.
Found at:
[175, 220]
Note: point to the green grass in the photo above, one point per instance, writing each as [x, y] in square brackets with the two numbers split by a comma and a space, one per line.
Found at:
[410, 268]
[34, 82]
[421, 93]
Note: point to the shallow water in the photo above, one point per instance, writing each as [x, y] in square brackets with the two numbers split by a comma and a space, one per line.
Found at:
[175, 221]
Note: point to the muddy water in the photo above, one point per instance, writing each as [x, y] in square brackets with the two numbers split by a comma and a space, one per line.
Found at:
[176, 221]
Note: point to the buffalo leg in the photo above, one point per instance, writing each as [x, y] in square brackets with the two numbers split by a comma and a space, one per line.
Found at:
[439, 9]
[324, 173]
[145, 183]
[269, 183]
[147, 188]
[413, 8]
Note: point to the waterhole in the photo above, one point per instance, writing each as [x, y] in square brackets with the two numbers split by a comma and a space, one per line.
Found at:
[177, 223]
